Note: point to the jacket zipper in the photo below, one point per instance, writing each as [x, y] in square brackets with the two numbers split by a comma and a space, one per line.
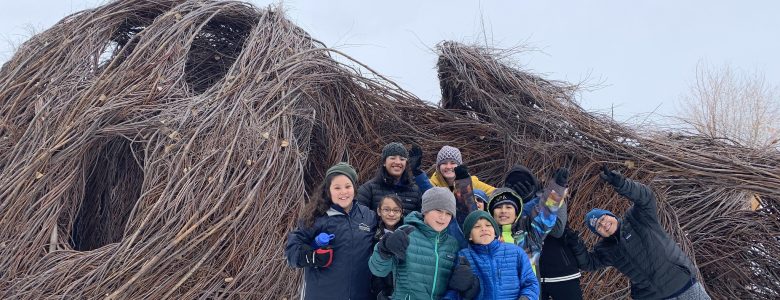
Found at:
[436, 270]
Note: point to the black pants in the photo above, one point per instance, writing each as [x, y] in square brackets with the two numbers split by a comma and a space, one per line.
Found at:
[564, 290]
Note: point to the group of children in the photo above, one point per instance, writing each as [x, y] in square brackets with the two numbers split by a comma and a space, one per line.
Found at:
[403, 235]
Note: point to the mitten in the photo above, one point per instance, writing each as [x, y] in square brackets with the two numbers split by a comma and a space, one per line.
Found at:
[462, 278]
[561, 177]
[572, 239]
[415, 159]
[473, 291]
[611, 177]
[394, 244]
[461, 172]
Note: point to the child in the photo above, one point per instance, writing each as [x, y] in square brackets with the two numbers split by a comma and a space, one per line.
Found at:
[389, 212]
[503, 269]
[422, 255]
[338, 269]
[527, 224]
[637, 246]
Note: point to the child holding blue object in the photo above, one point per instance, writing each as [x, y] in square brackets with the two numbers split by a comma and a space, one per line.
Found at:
[333, 240]
[503, 269]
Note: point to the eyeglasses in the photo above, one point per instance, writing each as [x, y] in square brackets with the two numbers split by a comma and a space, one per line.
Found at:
[394, 211]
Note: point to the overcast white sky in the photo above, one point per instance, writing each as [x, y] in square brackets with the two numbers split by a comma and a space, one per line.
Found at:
[643, 53]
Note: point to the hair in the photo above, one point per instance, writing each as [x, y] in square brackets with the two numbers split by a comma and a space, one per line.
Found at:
[320, 203]
[386, 178]
[381, 226]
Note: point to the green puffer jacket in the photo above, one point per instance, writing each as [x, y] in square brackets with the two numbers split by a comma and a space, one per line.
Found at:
[430, 258]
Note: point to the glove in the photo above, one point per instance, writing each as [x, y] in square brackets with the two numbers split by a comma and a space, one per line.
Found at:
[462, 278]
[523, 297]
[461, 171]
[561, 177]
[611, 177]
[524, 189]
[415, 159]
[394, 244]
[320, 258]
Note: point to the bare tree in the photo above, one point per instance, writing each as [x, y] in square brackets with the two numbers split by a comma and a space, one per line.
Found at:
[737, 105]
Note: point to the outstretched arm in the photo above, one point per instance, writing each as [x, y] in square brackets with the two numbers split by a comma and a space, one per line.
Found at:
[586, 260]
[641, 195]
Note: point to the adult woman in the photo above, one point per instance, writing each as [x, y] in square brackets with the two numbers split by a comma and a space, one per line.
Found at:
[338, 269]
[392, 178]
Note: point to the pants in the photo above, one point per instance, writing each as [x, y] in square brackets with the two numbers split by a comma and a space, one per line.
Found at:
[695, 292]
[563, 290]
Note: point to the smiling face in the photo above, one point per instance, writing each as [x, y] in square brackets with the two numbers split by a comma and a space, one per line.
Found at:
[447, 170]
[504, 214]
[342, 192]
[438, 219]
[606, 225]
[482, 233]
[395, 165]
[390, 213]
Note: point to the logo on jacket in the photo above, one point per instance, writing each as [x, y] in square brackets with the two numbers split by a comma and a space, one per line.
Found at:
[628, 235]
[364, 227]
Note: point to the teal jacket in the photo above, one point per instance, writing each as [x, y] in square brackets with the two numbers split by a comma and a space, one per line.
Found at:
[430, 259]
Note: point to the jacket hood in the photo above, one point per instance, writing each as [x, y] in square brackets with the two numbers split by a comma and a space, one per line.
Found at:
[520, 173]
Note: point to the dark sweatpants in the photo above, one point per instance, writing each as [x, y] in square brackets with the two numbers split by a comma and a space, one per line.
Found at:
[564, 290]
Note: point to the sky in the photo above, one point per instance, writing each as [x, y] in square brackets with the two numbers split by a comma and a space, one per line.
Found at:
[638, 58]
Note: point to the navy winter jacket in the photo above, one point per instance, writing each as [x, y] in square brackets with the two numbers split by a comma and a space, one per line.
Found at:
[372, 192]
[348, 276]
[503, 269]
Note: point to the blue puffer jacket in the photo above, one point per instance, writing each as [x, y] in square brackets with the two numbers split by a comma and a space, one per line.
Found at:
[348, 276]
[503, 269]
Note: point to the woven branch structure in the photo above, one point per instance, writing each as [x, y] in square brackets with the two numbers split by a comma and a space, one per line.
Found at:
[157, 149]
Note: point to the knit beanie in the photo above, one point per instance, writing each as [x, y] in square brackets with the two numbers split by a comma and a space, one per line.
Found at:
[481, 196]
[592, 218]
[438, 198]
[344, 169]
[449, 153]
[505, 196]
[472, 219]
[392, 149]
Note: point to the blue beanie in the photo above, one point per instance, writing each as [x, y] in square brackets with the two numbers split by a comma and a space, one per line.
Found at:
[481, 196]
[592, 217]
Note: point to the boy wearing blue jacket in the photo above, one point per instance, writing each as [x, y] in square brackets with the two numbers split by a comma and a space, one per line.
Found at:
[503, 269]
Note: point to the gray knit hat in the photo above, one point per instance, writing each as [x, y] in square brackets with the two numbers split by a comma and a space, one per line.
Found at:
[449, 153]
[438, 198]
[394, 149]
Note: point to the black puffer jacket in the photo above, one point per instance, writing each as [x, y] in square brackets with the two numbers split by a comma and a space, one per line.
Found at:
[641, 249]
[371, 192]
[557, 260]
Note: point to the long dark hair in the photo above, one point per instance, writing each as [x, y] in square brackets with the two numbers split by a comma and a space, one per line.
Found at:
[320, 203]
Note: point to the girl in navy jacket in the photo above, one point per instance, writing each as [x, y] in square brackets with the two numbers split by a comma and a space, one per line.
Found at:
[338, 269]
